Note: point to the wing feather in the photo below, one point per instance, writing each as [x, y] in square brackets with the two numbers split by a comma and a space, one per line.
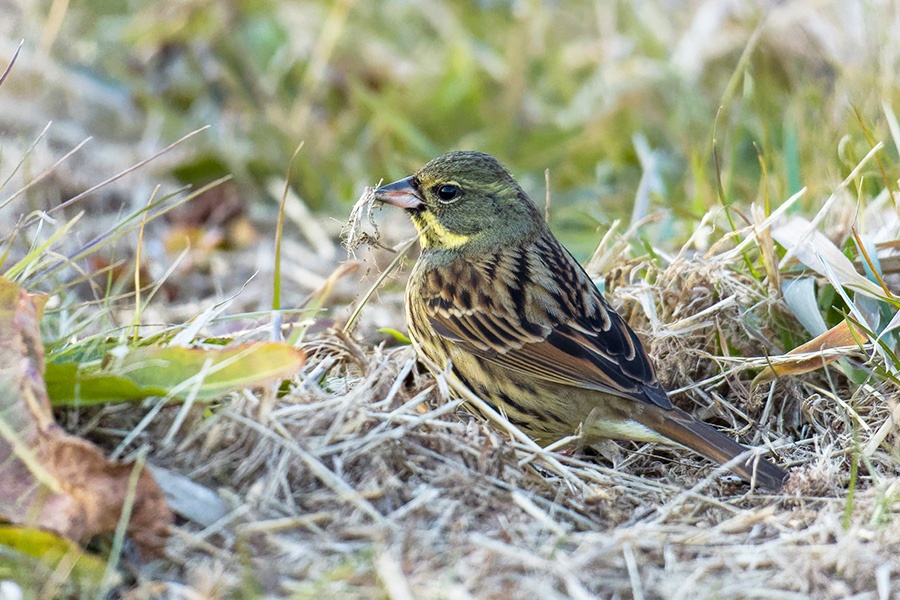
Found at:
[546, 319]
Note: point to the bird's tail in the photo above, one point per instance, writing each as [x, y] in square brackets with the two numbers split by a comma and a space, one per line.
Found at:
[683, 429]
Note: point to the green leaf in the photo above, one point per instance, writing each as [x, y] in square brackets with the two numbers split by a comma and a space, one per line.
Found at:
[179, 372]
[67, 385]
[31, 557]
[397, 335]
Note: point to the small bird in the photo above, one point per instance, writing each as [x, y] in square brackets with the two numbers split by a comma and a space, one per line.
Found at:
[496, 296]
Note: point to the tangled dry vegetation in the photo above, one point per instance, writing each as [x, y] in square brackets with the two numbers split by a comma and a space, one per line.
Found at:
[363, 477]
[366, 479]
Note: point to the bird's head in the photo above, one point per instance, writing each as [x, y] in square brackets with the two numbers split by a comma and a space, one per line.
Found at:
[464, 201]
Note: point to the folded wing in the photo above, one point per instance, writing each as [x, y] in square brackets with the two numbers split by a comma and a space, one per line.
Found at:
[546, 319]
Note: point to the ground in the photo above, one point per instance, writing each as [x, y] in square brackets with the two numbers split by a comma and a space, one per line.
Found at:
[362, 475]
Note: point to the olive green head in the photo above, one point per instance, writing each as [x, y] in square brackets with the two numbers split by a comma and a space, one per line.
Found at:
[464, 200]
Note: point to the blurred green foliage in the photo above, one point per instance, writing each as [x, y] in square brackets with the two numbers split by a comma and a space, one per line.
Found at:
[375, 89]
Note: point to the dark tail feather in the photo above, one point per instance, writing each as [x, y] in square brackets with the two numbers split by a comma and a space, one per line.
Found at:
[683, 429]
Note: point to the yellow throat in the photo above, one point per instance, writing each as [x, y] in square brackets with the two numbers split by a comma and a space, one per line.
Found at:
[432, 233]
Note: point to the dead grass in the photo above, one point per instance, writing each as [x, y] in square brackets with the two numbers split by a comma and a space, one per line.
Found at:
[366, 480]
[363, 477]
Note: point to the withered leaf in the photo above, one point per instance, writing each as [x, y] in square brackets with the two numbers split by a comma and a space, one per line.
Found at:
[808, 357]
[48, 478]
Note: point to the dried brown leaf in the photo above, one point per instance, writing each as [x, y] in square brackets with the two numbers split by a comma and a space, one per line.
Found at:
[809, 356]
[51, 479]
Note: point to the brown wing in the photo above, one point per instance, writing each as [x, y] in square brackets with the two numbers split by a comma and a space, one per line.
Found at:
[544, 317]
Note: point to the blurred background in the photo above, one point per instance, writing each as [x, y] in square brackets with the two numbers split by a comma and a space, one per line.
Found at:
[619, 101]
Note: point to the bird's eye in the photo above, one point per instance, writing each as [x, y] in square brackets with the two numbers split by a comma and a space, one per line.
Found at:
[448, 192]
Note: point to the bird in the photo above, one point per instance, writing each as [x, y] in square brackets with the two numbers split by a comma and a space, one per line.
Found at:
[497, 298]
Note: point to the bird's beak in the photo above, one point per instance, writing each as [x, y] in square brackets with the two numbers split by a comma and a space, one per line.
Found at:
[400, 193]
